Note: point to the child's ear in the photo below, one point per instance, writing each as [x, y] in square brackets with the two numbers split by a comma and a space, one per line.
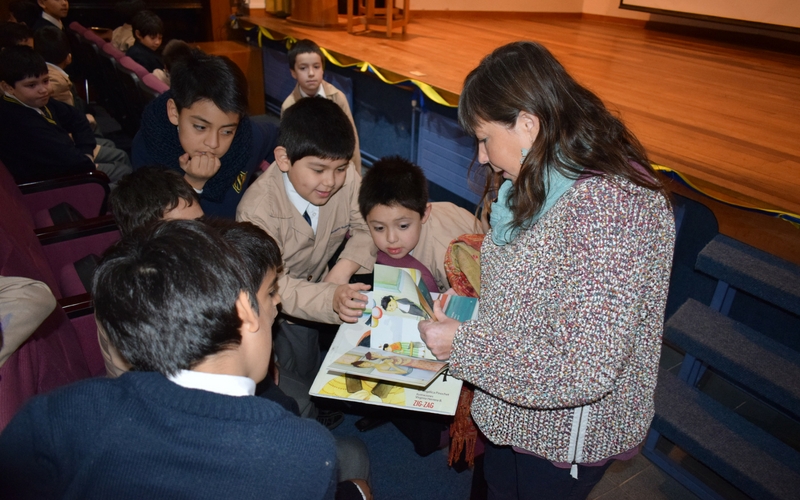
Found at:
[282, 159]
[172, 112]
[6, 87]
[138, 35]
[427, 213]
[69, 59]
[294, 74]
[246, 313]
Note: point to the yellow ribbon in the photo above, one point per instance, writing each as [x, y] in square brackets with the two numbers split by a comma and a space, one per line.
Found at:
[363, 66]
[431, 93]
[790, 217]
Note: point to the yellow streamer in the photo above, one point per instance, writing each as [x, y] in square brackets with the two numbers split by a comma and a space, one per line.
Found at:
[363, 66]
[431, 93]
[790, 217]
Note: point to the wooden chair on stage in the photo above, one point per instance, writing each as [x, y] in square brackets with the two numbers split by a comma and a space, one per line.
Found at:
[390, 16]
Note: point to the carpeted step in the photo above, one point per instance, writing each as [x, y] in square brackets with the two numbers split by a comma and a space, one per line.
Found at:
[741, 453]
[751, 270]
[759, 364]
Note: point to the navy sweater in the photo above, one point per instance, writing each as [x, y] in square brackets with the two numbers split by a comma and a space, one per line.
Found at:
[142, 436]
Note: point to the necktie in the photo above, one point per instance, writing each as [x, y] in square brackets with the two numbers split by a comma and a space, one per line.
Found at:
[307, 218]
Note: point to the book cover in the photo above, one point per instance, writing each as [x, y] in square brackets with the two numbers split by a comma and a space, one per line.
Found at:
[440, 396]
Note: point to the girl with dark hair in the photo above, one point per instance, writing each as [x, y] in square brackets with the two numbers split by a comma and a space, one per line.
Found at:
[574, 278]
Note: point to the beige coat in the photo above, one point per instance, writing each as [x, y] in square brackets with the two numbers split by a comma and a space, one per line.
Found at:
[60, 86]
[339, 98]
[306, 256]
[446, 222]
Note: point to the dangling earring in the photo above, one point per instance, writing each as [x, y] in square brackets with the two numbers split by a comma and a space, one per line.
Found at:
[524, 152]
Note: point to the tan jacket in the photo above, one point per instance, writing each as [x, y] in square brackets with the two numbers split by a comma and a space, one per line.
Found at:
[339, 98]
[306, 256]
[446, 222]
[24, 305]
[60, 86]
[122, 37]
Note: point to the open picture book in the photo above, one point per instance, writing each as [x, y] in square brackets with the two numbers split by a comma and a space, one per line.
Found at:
[381, 359]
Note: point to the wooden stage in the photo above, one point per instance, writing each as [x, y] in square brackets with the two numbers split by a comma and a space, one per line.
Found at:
[727, 116]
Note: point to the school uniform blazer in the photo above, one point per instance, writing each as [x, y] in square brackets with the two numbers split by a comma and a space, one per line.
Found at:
[60, 85]
[306, 256]
[35, 147]
[446, 222]
[337, 96]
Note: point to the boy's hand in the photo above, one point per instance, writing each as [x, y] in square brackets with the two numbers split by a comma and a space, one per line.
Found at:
[348, 303]
[199, 169]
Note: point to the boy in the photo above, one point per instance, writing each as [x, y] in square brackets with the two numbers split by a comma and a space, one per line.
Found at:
[200, 129]
[42, 138]
[181, 423]
[307, 64]
[148, 29]
[53, 13]
[122, 36]
[306, 200]
[394, 202]
[53, 45]
[150, 194]
[12, 34]
[23, 11]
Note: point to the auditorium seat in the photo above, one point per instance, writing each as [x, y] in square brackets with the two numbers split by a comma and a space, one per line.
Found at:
[86, 193]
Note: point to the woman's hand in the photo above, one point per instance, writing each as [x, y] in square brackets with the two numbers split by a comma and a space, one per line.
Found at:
[438, 335]
[199, 168]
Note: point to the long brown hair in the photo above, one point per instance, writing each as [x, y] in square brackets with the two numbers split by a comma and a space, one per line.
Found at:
[577, 134]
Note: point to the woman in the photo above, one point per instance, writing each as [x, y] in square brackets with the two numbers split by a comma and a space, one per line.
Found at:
[574, 278]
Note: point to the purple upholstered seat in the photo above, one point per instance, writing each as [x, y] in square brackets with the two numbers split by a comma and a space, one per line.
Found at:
[131, 65]
[154, 83]
[114, 52]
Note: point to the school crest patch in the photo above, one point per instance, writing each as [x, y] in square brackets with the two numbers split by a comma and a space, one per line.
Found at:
[238, 184]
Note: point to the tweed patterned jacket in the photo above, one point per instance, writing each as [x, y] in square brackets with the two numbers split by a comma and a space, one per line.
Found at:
[564, 355]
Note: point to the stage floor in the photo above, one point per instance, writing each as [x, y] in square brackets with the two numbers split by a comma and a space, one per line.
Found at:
[725, 115]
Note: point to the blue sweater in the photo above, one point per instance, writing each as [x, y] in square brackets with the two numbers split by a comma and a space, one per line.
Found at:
[142, 436]
[157, 143]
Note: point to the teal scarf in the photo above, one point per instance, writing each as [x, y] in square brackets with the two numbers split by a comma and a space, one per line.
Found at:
[501, 218]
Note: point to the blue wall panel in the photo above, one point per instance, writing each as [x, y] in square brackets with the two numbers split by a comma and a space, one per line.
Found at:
[445, 154]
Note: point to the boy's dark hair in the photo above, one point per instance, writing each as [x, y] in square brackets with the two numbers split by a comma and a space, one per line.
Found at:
[127, 10]
[315, 126]
[12, 34]
[173, 51]
[166, 295]
[147, 23]
[146, 194]
[305, 46]
[393, 181]
[52, 44]
[25, 11]
[20, 62]
[258, 250]
[198, 76]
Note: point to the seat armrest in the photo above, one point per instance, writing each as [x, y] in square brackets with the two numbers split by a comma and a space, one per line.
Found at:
[77, 305]
[77, 229]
